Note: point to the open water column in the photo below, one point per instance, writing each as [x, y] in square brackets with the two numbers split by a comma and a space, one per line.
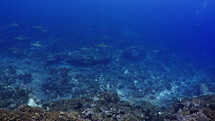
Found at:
[107, 60]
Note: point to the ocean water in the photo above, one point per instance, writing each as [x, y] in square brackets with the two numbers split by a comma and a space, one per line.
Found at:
[158, 51]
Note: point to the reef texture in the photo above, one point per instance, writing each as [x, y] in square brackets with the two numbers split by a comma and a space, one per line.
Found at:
[103, 107]
[108, 107]
[12, 94]
[26, 113]
[135, 73]
[196, 109]
[141, 80]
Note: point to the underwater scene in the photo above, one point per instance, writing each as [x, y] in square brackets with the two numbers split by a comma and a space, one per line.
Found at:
[107, 60]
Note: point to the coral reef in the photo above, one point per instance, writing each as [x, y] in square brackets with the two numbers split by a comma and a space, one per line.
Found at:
[100, 72]
[26, 113]
[194, 109]
[108, 107]
[64, 83]
[13, 93]
[155, 75]
[101, 107]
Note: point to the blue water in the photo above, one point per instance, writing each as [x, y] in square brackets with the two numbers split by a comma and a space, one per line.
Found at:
[184, 24]
[176, 33]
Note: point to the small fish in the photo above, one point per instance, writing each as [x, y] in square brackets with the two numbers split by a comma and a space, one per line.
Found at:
[13, 49]
[85, 48]
[36, 44]
[103, 45]
[14, 25]
[20, 38]
[40, 28]
[37, 27]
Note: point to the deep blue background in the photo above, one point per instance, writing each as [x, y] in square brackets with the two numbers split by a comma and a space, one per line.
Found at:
[182, 26]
